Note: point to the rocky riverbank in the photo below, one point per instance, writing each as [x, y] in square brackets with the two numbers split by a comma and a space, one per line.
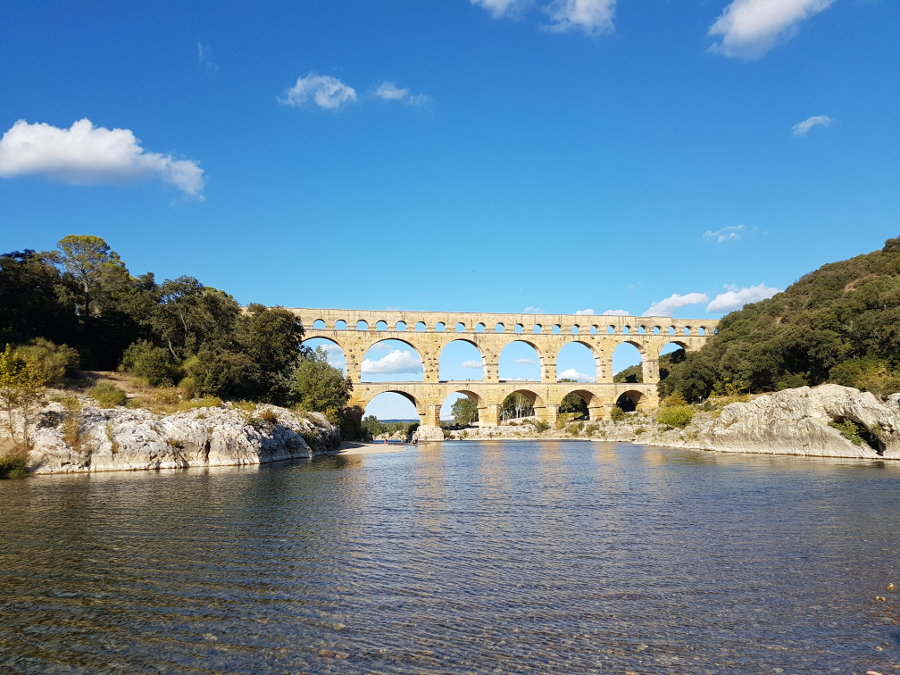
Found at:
[122, 439]
[824, 421]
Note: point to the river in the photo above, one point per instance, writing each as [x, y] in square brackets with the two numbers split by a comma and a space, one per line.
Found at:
[548, 556]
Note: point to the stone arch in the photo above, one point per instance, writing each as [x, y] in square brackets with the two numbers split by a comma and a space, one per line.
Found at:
[581, 362]
[623, 360]
[537, 352]
[447, 404]
[441, 354]
[590, 409]
[343, 352]
[536, 404]
[340, 324]
[630, 400]
[419, 409]
[420, 326]
[400, 325]
[362, 324]
[460, 327]
[668, 356]
[366, 352]
[381, 324]
[319, 324]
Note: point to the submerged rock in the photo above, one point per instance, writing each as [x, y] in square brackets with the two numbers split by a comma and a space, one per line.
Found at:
[121, 439]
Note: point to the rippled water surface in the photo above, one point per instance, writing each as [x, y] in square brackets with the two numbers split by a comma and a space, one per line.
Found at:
[458, 557]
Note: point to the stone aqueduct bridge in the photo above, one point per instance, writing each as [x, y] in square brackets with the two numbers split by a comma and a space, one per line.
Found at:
[355, 331]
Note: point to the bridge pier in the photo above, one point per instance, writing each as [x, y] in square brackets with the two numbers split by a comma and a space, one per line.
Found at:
[489, 415]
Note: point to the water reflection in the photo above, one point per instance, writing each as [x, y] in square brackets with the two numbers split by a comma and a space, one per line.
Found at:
[557, 556]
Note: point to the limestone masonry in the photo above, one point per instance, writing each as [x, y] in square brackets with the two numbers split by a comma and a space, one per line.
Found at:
[355, 331]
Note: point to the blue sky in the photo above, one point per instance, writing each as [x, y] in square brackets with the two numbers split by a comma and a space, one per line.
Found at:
[498, 155]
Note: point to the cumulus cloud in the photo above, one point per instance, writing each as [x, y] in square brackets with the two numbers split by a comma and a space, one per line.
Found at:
[729, 233]
[668, 305]
[593, 17]
[497, 8]
[532, 310]
[749, 28]
[204, 57]
[526, 362]
[802, 128]
[616, 312]
[584, 312]
[395, 361]
[324, 91]
[84, 154]
[472, 364]
[737, 298]
[572, 374]
[388, 91]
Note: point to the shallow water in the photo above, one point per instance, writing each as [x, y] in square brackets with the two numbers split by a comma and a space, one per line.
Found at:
[458, 557]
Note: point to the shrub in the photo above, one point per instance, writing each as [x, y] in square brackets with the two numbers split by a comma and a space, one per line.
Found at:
[152, 363]
[71, 430]
[269, 415]
[675, 416]
[205, 402]
[540, 426]
[13, 466]
[188, 386]
[672, 400]
[107, 395]
[639, 430]
[617, 414]
[53, 361]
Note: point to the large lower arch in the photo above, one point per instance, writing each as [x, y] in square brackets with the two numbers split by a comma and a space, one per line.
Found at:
[522, 403]
[389, 409]
[460, 394]
[669, 354]
[581, 404]
[631, 400]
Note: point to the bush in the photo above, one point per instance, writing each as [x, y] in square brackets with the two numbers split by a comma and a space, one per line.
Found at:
[269, 415]
[540, 426]
[107, 395]
[675, 416]
[53, 361]
[152, 363]
[617, 414]
[672, 400]
[13, 466]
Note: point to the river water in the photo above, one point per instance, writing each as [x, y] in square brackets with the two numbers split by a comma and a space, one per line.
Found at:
[555, 556]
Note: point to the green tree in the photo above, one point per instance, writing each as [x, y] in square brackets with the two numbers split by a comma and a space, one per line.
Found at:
[30, 295]
[96, 270]
[320, 387]
[21, 392]
[516, 405]
[373, 426]
[465, 411]
[573, 403]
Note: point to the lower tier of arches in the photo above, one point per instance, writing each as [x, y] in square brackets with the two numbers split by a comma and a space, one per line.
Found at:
[545, 399]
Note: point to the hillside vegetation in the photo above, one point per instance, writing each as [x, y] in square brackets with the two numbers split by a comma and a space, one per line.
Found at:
[840, 324]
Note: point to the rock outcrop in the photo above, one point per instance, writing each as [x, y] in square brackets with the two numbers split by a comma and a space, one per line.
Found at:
[121, 439]
[799, 422]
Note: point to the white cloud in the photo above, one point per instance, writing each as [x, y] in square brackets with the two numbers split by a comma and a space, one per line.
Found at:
[729, 233]
[668, 305]
[749, 28]
[526, 362]
[472, 364]
[594, 17]
[802, 128]
[572, 374]
[388, 91]
[532, 310]
[584, 312]
[84, 154]
[204, 57]
[616, 312]
[737, 298]
[497, 8]
[324, 91]
[396, 361]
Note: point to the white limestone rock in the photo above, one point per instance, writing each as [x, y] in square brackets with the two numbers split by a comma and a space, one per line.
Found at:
[797, 422]
[121, 439]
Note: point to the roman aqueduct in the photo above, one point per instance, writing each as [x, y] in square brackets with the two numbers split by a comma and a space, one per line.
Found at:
[355, 331]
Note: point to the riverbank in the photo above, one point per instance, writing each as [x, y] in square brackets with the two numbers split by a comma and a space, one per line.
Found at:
[76, 436]
[824, 421]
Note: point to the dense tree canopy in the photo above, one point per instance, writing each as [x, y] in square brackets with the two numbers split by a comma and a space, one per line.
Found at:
[840, 323]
